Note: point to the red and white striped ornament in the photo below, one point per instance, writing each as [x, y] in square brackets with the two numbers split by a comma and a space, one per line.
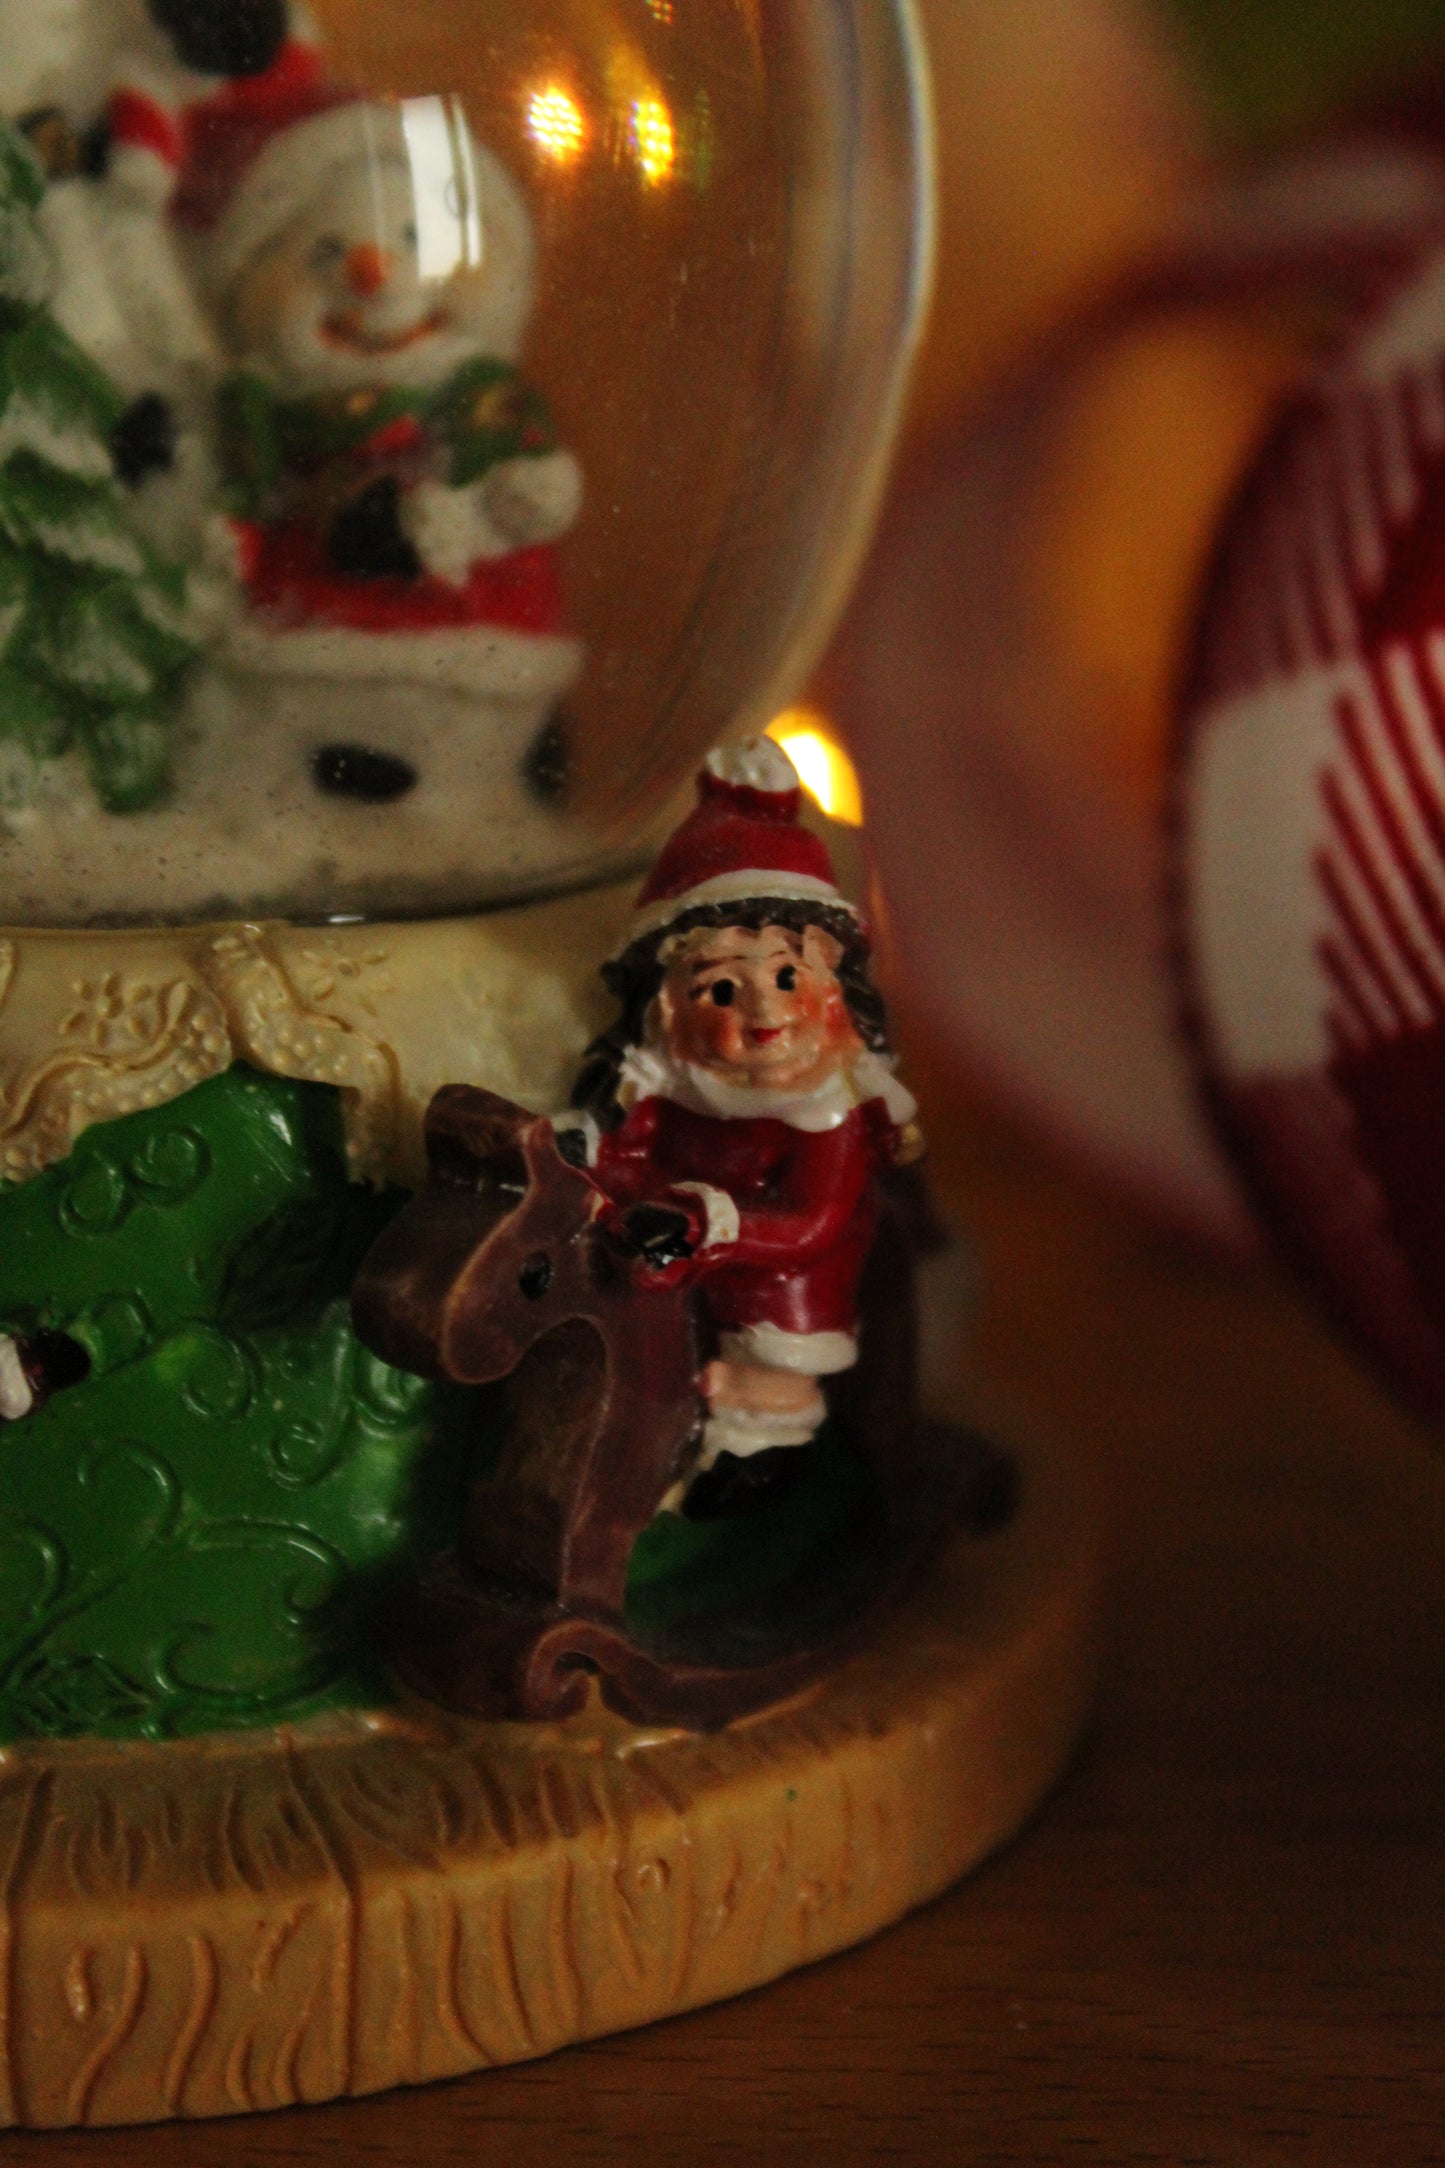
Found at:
[1311, 834]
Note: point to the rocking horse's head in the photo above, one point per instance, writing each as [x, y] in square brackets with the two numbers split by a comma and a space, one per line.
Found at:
[745, 960]
[485, 1260]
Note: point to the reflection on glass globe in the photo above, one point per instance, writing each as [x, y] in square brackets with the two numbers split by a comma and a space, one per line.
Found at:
[425, 429]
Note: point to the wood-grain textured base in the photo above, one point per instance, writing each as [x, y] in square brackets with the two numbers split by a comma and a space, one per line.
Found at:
[245, 1922]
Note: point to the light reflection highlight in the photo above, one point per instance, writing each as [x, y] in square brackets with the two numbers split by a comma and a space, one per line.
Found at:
[445, 193]
[556, 124]
[654, 139]
[827, 774]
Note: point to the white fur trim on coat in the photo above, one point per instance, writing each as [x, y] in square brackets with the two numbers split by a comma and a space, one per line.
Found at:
[741, 887]
[723, 1220]
[804, 1354]
[650, 1072]
[577, 1123]
[745, 1431]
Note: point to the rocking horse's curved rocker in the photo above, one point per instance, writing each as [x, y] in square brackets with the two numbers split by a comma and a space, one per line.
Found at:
[499, 1270]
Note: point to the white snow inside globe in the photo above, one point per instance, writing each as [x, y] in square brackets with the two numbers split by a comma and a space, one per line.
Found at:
[424, 431]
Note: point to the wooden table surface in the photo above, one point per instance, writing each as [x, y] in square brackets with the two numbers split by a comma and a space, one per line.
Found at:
[1221, 1940]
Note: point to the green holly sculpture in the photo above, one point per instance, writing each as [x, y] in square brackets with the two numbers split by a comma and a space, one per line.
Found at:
[210, 1500]
[94, 629]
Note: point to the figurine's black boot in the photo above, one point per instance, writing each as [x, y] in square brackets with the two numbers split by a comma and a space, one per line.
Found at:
[733, 1488]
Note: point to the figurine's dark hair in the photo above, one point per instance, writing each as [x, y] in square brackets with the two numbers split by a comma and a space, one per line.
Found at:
[636, 976]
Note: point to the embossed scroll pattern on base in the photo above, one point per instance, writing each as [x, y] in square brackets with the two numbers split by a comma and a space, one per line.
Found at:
[96, 1024]
[230, 1924]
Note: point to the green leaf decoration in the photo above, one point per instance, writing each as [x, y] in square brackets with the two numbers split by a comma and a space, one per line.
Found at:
[65, 1697]
[161, 600]
[27, 274]
[209, 1531]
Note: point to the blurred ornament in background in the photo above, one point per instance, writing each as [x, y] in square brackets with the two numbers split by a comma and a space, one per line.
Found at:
[1276, 68]
[1123, 307]
[1311, 833]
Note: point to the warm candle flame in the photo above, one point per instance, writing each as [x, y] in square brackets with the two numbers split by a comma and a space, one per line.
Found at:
[828, 775]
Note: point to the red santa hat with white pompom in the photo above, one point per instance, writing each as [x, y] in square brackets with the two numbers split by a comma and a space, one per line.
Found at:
[237, 161]
[180, 139]
[742, 843]
[256, 163]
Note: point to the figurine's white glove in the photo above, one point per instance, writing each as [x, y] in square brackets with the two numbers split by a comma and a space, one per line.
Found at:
[136, 175]
[517, 504]
[16, 1396]
[448, 529]
[533, 499]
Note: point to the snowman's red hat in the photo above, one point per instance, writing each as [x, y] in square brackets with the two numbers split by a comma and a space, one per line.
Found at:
[258, 162]
[742, 843]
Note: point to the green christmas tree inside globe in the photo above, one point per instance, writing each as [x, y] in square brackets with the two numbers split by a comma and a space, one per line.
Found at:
[94, 619]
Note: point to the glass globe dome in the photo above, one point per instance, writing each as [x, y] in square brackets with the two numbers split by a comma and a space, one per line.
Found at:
[425, 429]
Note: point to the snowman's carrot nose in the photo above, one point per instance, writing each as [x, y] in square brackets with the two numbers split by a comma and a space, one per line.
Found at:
[367, 268]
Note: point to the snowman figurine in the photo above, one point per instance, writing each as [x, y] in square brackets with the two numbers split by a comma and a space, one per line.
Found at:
[373, 275]
[394, 485]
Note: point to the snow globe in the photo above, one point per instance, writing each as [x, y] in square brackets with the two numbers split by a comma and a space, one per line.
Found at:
[515, 434]
[423, 434]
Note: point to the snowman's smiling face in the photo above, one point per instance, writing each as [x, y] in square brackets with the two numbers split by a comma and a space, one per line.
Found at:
[362, 288]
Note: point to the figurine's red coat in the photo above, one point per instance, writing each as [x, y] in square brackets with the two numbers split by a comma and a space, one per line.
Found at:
[806, 1202]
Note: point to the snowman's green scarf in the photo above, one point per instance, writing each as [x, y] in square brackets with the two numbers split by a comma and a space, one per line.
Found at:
[482, 414]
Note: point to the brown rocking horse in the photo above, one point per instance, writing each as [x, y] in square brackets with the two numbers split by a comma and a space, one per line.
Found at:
[499, 1270]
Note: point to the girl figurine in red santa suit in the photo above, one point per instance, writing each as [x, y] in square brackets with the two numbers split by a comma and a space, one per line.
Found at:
[741, 1109]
